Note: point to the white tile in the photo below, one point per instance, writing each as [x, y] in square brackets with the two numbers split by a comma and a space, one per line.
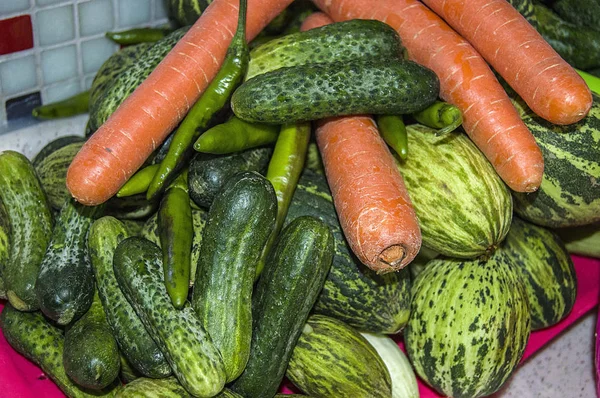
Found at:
[95, 52]
[59, 64]
[160, 9]
[95, 16]
[133, 12]
[18, 75]
[55, 25]
[11, 6]
[88, 81]
[48, 2]
[61, 91]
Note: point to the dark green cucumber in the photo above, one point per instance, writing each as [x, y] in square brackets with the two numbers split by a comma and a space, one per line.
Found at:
[584, 240]
[333, 359]
[4, 246]
[52, 171]
[315, 91]
[150, 232]
[208, 173]
[239, 223]
[91, 355]
[546, 270]
[352, 293]
[580, 12]
[578, 45]
[125, 82]
[179, 334]
[469, 324]
[65, 284]
[569, 194]
[31, 335]
[287, 289]
[338, 42]
[135, 342]
[54, 145]
[163, 388]
[30, 221]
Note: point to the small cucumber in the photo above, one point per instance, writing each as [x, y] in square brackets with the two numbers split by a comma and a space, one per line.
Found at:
[4, 246]
[30, 224]
[337, 42]
[287, 289]
[135, 342]
[65, 284]
[179, 334]
[32, 336]
[91, 355]
[239, 223]
[315, 91]
[154, 388]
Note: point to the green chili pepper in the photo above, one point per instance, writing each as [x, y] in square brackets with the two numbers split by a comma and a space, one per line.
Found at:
[69, 107]
[176, 232]
[138, 35]
[236, 135]
[139, 182]
[440, 115]
[393, 131]
[215, 97]
[285, 167]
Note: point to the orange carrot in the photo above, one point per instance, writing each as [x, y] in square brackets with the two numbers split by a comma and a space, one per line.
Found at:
[122, 144]
[369, 194]
[466, 81]
[315, 20]
[547, 83]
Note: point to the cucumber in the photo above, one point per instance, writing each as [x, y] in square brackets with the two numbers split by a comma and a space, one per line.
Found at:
[4, 246]
[333, 359]
[469, 324]
[65, 284]
[150, 232]
[239, 223]
[208, 173]
[297, 93]
[52, 171]
[186, 12]
[352, 292]
[91, 355]
[294, 274]
[580, 12]
[179, 334]
[163, 388]
[30, 221]
[470, 212]
[54, 145]
[135, 342]
[128, 373]
[338, 42]
[33, 337]
[546, 270]
[525, 8]
[584, 240]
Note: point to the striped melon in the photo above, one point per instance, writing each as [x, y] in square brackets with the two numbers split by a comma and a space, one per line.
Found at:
[469, 325]
[570, 190]
[546, 271]
[464, 208]
[186, 12]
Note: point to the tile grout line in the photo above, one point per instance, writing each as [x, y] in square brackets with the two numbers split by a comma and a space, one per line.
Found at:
[78, 50]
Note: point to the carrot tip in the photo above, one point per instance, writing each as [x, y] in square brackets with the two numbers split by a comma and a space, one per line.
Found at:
[391, 259]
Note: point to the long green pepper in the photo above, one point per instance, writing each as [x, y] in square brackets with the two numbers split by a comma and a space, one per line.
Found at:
[68, 107]
[440, 115]
[394, 133]
[236, 135]
[215, 97]
[285, 167]
[138, 35]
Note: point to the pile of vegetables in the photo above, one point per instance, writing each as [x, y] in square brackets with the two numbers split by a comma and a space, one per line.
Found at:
[241, 213]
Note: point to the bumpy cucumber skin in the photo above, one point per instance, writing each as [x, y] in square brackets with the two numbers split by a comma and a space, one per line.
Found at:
[315, 91]
[179, 334]
[91, 355]
[245, 208]
[32, 336]
[4, 246]
[65, 285]
[31, 227]
[338, 42]
[134, 340]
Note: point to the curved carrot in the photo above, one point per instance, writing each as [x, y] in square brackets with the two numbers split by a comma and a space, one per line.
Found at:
[315, 20]
[466, 81]
[546, 82]
[122, 144]
[369, 194]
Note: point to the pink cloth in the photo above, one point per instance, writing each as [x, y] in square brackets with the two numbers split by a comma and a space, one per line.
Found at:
[20, 378]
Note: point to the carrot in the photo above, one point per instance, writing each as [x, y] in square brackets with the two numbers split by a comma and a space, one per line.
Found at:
[546, 82]
[466, 81]
[315, 20]
[122, 144]
[369, 194]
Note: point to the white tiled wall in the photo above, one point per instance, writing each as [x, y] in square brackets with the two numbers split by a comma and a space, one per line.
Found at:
[69, 43]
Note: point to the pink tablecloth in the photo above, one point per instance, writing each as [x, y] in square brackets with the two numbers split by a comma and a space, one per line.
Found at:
[19, 378]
